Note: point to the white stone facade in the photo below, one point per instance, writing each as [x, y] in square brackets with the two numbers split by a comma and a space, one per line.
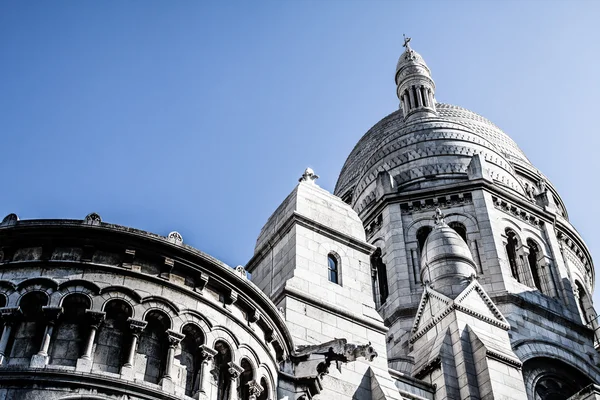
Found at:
[444, 266]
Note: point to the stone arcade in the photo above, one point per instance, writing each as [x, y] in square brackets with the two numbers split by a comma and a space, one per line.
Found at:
[444, 266]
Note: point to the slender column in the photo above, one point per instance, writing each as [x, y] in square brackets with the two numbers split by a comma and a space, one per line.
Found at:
[234, 373]
[255, 389]
[419, 99]
[9, 317]
[51, 314]
[413, 101]
[204, 376]
[95, 319]
[136, 327]
[174, 339]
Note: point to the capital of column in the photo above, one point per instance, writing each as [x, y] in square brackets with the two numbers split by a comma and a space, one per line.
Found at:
[10, 315]
[51, 314]
[207, 353]
[234, 370]
[95, 318]
[136, 326]
[174, 338]
[255, 388]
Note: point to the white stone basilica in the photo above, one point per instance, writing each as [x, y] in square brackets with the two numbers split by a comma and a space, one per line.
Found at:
[444, 266]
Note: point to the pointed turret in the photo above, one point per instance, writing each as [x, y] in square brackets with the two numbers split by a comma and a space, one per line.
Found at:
[415, 88]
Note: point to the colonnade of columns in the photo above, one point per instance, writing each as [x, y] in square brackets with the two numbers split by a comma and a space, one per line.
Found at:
[94, 319]
[417, 96]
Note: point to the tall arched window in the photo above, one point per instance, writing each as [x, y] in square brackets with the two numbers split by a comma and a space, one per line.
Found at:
[422, 234]
[511, 251]
[245, 378]
[220, 371]
[582, 301]
[264, 395]
[333, 269]
[29, 334]
[66, 343]
[460, 229]
[534, 255]
[112, 337]
[190, 357]
[379, 275]
[153, 344]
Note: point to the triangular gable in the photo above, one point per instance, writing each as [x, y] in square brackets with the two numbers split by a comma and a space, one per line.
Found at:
[431, 305]
[475, 301]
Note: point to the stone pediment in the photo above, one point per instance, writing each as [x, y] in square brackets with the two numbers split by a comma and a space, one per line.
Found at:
[473, 300]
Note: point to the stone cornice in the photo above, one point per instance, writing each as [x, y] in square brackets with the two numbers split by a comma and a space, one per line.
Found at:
[377, 326]
[43, 378]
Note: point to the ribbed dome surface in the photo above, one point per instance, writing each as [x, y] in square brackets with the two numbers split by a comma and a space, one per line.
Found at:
[370, 143]
[444, 242]
[446, 263]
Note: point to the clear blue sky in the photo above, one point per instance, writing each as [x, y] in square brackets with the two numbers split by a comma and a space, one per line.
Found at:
[200, 116]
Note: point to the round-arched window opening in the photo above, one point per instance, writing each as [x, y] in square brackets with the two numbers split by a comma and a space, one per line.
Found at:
[333, 269]
[512, 243]
[118, 311]
[31, 305]
[422, 234]
[551, 379]
[74, 306]
[264, 395]
[3, 300]
[532, 258]
[460, 229]
[245, 378]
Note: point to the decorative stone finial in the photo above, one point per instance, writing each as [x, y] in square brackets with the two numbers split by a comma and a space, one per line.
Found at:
[10, 219]
[175, 237]
[308, 176]
[438, 217]
[93, 218]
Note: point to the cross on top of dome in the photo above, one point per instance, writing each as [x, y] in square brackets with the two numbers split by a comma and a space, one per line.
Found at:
[409, 53]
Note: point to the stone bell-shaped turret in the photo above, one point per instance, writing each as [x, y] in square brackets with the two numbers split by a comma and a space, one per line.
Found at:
[447, 263]
[415, 88]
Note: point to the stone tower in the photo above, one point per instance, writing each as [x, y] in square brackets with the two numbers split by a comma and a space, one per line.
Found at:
[534, 273]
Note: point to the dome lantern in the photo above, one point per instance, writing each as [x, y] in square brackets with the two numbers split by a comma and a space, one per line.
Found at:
[415, 88]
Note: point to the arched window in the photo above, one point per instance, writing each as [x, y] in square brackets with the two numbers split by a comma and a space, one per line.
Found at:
[333, 269]
[28, 336]
[264, 395]
[422, 234]
[460, 229]
[3, 300]
[68, 335]
[112, 336]
[153, 345]
[511, 251]
[550, 379]
[379, 276]
[220, 371]
[245, 378]
[582, 301]
[534, 255]
[190, 358]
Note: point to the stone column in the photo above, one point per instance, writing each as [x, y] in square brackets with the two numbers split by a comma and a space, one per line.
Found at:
[419, 98]
[51, 315]
[413, 101]
[174, 339]
[234, 373]
[203, 375]
[136, 327]
[9, 316]
[95, 320]
[255, 389]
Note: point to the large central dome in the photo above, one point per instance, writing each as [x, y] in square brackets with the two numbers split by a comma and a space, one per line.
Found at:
[390, 131]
